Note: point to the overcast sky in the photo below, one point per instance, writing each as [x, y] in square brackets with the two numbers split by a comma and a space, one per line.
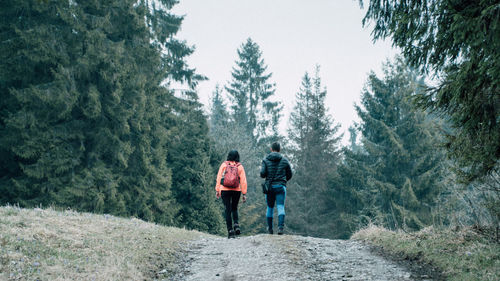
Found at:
[293, 36]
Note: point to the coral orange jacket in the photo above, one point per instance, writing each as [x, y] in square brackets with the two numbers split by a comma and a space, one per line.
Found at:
[241, 174]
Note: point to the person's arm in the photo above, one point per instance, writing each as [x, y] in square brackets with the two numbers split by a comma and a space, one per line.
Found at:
[263, 169]
[288, 171]
[243, 179]
[219, 177]
[243, 182]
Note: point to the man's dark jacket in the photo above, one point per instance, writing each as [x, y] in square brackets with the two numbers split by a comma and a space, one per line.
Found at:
[269, 166]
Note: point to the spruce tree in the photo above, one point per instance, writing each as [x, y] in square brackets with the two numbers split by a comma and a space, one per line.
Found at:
[353, 137]
[253, 125]
[344, 199]
[81, 109]
[398, 168]
[189, 156]
[86, 116]
[314, 141]
[219, 123]
[459, 41]
[251, 94]
[219, 117]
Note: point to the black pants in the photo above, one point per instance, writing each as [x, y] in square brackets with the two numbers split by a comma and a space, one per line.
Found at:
[231, 200]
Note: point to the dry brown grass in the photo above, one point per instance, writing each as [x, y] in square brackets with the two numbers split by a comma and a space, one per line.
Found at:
[461, 254]
[39, 244]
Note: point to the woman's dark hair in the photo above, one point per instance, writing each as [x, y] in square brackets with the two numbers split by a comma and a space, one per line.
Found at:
[233, 155]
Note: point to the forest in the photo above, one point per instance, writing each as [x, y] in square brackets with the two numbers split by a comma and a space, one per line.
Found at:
[89, 120]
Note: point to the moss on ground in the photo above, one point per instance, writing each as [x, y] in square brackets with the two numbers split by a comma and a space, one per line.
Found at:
[461, 254]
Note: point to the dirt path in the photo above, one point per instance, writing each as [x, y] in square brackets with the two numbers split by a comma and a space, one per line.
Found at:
[266, 257]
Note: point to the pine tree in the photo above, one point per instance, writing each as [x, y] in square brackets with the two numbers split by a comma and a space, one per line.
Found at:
[87, 120]
[344, 200]
[314, 151]
[219, 123]
[459, 41]
[251, 92]
[75, 121]
[219, 117]
[398, 168]
[190, 159]
[353, 137]
[253, 125]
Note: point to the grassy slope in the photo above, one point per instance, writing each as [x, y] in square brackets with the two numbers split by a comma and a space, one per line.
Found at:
[460, 255]
[51, 245]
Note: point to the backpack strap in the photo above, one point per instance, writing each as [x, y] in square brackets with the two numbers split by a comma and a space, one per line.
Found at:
[229, 163]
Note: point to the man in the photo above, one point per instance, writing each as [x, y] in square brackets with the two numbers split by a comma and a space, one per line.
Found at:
[277, 170]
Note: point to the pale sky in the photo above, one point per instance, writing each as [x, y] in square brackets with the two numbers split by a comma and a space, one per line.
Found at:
[293, 36]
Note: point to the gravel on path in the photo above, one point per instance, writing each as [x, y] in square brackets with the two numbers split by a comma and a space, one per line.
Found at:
[286, 257]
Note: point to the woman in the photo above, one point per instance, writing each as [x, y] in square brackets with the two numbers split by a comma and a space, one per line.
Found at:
[231, 183]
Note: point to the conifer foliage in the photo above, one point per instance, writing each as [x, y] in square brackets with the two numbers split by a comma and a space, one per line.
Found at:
[314, 148]
[84, 119]
[248, 122]
[190, 157]
[397, 170]
[250, 92]
[459, 40]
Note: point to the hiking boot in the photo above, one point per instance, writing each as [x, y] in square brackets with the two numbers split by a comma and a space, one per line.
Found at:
[280, 231]
[237, 230]
[231, 234]
[270, 225]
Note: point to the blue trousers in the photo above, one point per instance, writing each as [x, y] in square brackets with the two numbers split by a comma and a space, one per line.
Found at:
[277, 195]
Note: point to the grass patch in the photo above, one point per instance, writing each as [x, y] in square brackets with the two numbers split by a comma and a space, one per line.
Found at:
[44, 244]
[460, 254]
